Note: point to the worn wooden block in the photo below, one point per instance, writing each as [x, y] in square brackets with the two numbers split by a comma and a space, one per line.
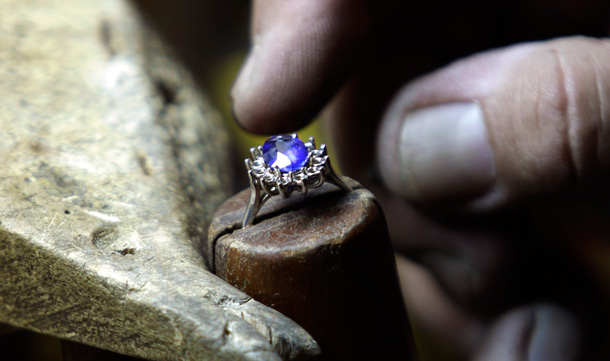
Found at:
[325, 260]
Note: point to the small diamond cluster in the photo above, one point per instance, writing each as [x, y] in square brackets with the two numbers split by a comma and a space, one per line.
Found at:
[273, 181]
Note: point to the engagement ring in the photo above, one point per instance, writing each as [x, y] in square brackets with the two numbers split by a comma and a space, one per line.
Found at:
[283, 165]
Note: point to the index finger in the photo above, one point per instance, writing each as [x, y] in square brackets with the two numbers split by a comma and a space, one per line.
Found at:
[302, 52]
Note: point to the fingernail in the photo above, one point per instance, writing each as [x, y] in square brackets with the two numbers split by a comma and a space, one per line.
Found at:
[444, 153]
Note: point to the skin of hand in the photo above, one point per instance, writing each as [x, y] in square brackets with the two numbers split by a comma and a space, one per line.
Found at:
[495, 165]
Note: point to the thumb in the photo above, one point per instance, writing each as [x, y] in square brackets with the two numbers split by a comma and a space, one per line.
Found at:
[502, 126]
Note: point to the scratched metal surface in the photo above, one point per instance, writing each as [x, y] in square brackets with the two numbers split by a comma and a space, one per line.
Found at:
[111, 166]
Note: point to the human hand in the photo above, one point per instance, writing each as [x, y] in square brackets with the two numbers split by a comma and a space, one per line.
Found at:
[496, 163]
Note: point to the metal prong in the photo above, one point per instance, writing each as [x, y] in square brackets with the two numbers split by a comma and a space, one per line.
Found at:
[278, 182]
[248, 164]
[253, 153]
[265, 187]
[313, 142]
[323, 149]
[259, 151]
[293, 135]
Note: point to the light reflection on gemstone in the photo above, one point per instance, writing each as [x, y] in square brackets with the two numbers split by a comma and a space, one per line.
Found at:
[285, 152]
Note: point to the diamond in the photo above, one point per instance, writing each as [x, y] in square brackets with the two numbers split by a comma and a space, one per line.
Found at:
[286, 152]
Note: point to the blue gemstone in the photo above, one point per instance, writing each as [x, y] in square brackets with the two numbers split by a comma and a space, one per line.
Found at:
[285, 152]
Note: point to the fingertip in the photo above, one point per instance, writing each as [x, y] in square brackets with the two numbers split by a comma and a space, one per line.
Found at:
[256, 105]
[301, 55]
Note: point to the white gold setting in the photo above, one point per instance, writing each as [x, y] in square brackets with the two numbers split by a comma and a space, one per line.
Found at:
[266, 181]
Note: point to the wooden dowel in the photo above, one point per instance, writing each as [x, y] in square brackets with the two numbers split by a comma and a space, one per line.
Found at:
[324, 260]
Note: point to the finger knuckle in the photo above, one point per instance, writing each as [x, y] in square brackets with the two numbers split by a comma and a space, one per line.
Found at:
[582, 71]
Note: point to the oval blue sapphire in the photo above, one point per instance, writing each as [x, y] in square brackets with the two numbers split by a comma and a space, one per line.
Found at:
[285, 152]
